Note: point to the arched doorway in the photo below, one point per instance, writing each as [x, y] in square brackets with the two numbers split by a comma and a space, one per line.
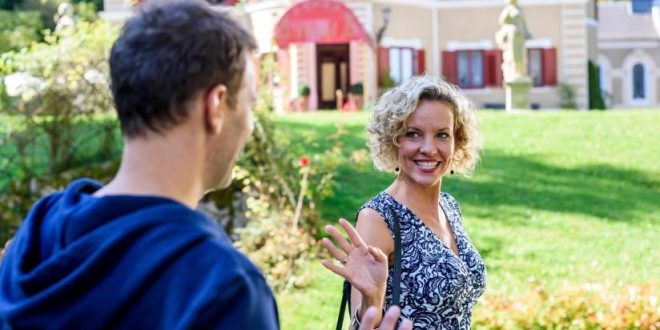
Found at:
[330, 27]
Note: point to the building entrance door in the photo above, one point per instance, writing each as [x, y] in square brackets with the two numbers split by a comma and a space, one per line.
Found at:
[332, 72]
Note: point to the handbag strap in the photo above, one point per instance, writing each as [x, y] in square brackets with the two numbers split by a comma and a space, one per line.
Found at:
[396, 283]
[345, 300]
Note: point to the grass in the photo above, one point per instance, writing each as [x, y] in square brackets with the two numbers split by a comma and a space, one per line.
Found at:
[87, 138]
[563, 197]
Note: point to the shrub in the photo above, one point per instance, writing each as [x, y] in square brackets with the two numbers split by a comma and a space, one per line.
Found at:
[61, 88]
[567, 96]
[595, 94]
[278, 193]
[357, 89]
[21, 194]
[304, 90]
[586, 306]
[19, 29]
[268, 187]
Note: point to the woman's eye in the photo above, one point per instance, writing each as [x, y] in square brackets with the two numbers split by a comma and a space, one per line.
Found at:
[443, 135]
[412, 134]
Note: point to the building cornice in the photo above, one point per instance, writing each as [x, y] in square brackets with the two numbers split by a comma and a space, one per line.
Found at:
[627, 44]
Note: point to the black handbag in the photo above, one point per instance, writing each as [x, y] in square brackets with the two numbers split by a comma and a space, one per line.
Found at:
[396, 281]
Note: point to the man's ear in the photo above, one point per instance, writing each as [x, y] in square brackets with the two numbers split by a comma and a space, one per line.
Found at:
[214, 108]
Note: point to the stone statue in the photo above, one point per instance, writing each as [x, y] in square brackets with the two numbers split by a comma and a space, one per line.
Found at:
[511, 39]
[64, 18]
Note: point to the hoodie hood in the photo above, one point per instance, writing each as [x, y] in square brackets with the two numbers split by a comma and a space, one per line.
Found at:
[77, 252]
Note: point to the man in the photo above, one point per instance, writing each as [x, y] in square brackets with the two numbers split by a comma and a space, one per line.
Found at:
[134, 254]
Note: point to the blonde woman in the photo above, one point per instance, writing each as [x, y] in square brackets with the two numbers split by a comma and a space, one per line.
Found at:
[423, 130]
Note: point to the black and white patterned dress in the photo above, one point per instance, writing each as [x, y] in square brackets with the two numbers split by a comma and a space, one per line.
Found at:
[438, 288]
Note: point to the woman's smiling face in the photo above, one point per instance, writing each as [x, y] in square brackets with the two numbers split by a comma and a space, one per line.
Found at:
[427, 146]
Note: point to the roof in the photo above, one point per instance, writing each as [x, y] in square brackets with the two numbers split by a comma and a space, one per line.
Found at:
[616, 22]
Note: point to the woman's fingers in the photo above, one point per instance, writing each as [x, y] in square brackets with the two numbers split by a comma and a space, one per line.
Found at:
[378, 254]
[390, 318]
[369, 319]
[355, 237]
[341, 271]
[344, 245]
[333, 250]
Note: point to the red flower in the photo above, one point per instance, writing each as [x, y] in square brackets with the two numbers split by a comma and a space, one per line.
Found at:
[303, 161]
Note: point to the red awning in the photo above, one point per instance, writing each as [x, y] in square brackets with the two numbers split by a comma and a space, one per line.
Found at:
[321, 22]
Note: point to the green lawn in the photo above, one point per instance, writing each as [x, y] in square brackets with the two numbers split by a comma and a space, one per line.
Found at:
[88, 135]
[559, 196]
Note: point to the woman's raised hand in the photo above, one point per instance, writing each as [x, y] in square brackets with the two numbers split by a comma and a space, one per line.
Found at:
[365, 267]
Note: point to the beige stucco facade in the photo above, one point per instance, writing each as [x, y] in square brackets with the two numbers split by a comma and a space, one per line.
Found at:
[635, 41]
[436, 26]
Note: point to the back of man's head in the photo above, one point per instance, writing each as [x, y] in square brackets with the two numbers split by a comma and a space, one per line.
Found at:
[169, 52]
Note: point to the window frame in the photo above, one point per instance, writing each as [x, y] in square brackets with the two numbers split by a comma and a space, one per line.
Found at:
[400, 52]
[542, 68]
[471, 84]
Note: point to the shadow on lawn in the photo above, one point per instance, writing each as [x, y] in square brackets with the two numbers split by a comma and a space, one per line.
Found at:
[521, 182]
[598, 190]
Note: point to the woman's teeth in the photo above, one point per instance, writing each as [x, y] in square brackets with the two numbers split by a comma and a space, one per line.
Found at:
[427, 165]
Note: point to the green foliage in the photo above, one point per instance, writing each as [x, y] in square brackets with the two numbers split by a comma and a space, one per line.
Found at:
[588, 306]
[85, 10]
[595, 94]
[304, 90]
[567, 96]
[279, 249]
[19, 29]
[22, 193]
[282, 194]
[387, 82]
[97, 5]
[9, 4]
[357, 88]
[73, 90]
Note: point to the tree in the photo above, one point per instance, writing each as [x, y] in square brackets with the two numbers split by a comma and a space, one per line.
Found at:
[9, 4]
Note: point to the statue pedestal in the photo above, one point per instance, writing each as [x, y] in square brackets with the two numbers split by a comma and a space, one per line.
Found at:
[517, 94]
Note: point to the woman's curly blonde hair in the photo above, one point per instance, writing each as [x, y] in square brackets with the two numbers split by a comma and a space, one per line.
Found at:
[389, 116]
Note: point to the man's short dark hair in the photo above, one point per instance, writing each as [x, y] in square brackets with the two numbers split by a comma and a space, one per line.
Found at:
[169, 52]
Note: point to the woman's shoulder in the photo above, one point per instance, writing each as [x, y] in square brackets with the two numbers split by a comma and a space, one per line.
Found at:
[451, 201]
[377, 203]
[379, 207]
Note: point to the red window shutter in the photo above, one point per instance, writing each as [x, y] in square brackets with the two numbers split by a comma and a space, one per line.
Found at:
[383, 64]
[493, 67]
[489, 74]
[550, 67]
[499, 76]
[420, 65]
[449, 66]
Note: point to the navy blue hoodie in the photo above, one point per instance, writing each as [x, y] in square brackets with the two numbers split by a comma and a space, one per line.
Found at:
[127, 262]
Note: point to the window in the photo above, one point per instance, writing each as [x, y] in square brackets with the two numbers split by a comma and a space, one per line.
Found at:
[535, 66]
[639, 88]
[397, 64]
[482, 68]
[470, 68]
[401, 64]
